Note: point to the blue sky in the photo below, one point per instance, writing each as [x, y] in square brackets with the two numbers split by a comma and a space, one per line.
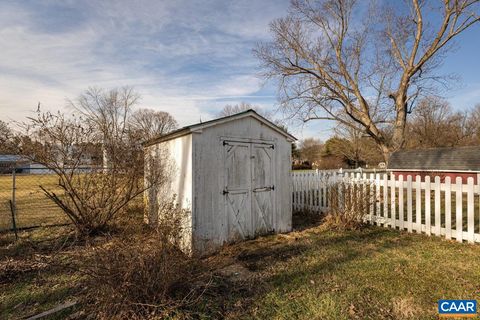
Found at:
[187, 57]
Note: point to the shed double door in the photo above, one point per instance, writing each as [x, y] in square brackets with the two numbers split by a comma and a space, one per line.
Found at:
[249, 188]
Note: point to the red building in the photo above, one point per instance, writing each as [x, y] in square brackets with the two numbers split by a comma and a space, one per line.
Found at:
[453, 162]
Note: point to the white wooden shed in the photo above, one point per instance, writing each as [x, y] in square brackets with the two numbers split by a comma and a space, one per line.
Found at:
[231, 174]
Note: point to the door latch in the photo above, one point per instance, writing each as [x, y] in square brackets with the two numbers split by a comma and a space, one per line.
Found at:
[272, 188]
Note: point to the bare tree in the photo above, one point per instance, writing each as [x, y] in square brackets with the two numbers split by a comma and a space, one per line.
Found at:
[434, 124]
[91, 197]
[362, 65]
[151, 124]
[109, 112]
[6, 138]
[230, 109]
[311, 150]
[473, 123]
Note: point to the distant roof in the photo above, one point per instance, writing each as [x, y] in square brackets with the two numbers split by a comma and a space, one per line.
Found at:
[201, 125]
[11, 158]
[441, 159]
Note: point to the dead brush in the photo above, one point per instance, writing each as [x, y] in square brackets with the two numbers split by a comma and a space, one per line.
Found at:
[349, 205]
[145, 276]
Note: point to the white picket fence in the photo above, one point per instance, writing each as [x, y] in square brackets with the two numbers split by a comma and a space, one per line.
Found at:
[453, 210]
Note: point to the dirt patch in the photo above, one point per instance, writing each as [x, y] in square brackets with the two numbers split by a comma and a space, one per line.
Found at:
[302, 220]
[235, 272]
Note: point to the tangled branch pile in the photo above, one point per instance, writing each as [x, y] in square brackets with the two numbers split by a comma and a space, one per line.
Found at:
[145, 276]
[349, 205]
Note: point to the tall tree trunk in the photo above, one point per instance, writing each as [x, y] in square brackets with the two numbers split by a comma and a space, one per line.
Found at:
[398, 138]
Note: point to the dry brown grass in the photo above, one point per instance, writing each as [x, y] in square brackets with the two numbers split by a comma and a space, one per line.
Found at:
[142, 278]
[349, 206]
[142, 275]
[405, 308]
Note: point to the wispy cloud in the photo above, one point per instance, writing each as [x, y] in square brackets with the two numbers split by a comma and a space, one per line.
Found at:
[181, 55]
[187, 57]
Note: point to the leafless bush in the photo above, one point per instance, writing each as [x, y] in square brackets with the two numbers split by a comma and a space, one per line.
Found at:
[146, 276]
[349, 205]
[101, 138]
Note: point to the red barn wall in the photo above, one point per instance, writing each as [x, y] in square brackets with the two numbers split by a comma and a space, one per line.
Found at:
[453, 175]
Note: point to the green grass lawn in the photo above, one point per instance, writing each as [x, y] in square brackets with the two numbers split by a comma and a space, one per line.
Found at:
[375, 273]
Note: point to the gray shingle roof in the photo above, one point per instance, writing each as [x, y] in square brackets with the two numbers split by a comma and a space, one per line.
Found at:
[457, 158]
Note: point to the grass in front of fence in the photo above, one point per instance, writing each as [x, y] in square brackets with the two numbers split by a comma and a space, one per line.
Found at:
[316, 198]
[33, 207]
[371, 274]
[374, 273]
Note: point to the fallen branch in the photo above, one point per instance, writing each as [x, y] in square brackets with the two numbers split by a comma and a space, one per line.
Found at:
[58, 308]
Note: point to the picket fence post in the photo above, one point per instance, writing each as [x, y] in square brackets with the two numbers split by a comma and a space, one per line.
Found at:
[385, 199]
[437, 206]
[448, 208]
[409, 204]
[311, 192]
[418, 204]
[428, 199]
[393, 214]
[400, 202]
[459, 209]
[470, 212]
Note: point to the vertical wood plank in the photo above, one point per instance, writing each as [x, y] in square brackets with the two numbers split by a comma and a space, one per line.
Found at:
[459, 209]
[393, 214]
[438, 221]
[409, 204]
[377, 198]
[309, 191]
[318, 186]
[312, 198]
[401, 213]
[470, 215]
[448, 208]
[369, 187]
[418, 204]
[324, 191]
[478, 190]
[428, 214]
[302, 192]
[294, 188]
[385, 198]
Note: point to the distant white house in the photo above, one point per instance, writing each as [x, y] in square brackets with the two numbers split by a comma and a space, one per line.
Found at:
[9, 162]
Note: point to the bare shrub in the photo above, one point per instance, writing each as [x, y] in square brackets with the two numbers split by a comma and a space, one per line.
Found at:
[349, 205]
[96, 155]
[145, 276]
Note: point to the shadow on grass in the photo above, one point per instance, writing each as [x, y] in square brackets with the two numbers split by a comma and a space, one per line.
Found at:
[304, 219]
[281, 264]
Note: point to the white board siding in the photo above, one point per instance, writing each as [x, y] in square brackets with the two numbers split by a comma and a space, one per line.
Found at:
[176, 157]
[211, 223]
[201, 180]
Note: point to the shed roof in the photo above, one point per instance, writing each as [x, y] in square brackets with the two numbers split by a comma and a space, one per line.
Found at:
[202, 125]
[439, 159]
